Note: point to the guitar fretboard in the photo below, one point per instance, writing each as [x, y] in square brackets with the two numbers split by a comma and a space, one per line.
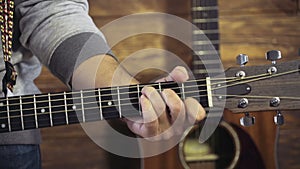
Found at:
[54, 109]
[206, 40]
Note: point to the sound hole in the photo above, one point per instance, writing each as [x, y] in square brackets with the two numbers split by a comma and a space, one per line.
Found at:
[220, 151]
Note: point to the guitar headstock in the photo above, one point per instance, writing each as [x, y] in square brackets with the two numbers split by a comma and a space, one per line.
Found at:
[269, 87]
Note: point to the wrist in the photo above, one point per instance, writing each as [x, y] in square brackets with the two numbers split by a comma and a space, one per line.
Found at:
[101, 71]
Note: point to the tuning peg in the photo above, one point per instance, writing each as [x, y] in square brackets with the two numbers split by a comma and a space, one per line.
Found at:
[273, 55]
[242, 59]
[279, 119]
[247, 120]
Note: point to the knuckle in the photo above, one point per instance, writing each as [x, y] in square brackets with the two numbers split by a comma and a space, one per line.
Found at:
[177, 108]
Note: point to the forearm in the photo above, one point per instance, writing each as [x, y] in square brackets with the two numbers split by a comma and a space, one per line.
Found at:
[100, 71]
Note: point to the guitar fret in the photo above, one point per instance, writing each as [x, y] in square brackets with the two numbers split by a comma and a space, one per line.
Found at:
[182, 91]
[207, 25]
[159, 87]
[205, 20]
[66, 108]
[82, 106]
[201, 32]
[118, 91]
[208, 52]
[206, 62]
[206, 42]
[205, 8]
[35, 112]
[21, 113]
[100, 104]
[8, 114]
[50, 110]
[205, 14]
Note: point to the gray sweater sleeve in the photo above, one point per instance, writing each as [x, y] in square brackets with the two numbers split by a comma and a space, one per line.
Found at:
[60, 33]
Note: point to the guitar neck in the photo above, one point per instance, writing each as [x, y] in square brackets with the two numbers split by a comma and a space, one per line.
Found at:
[54, 109]
[206, 38]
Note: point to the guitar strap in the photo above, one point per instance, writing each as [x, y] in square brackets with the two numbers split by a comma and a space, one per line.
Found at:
[6, 20]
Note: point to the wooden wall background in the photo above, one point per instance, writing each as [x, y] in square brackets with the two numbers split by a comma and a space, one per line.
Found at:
[251, 27]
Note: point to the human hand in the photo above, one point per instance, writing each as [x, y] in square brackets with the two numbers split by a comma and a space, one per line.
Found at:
[165, 114]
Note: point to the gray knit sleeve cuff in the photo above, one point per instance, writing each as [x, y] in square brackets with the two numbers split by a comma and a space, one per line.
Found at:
[73, 51]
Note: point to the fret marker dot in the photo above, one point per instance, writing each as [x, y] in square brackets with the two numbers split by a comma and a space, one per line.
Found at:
[1, 104]
[3, 126]
[43, 110]
[109, 103]
[74, 107]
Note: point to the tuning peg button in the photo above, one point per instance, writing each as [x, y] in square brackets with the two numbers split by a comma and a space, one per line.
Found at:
[279, 119]
[242, 59]
[247, 120]
[273, 56]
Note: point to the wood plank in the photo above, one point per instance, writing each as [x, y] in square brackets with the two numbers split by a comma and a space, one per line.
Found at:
[289, 136]
[271, 32]
[126, 7]
[256, 7]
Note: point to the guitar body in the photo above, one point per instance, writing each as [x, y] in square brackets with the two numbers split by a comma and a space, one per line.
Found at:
[262, 135]
[228, 147]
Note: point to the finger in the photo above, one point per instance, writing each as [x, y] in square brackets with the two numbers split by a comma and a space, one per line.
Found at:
[177, 110]
[149, 126]
[159, 106]
[156, 100]
[195, 111]
[178, 74]
[175, 104]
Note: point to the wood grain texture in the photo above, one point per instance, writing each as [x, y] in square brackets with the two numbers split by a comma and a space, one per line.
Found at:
[250, 27]
[289, 136]
[285, 87]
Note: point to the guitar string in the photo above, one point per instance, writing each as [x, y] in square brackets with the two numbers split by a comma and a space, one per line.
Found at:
[134, 92]
[125, 99]
[202, 96]
[232, 79]
[93, 92]
[137, 98]
[95, 96]
[63, 118]
[135, 103]
[130, 104]
[70, 117]
[80, 104]
[79, 115]
[260, 78]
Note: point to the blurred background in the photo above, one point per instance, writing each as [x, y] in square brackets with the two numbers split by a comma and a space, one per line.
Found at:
[249, 27]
